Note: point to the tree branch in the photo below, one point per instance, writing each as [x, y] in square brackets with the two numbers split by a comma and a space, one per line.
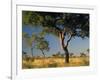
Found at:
[68, 41]
[55, 21]
[42, 52]
[58, 29]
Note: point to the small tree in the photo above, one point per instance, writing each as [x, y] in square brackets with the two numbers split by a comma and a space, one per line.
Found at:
[42, 45]
[71, 54]
[58, 54]
[38, 42]
[82, 55]
[62, 55]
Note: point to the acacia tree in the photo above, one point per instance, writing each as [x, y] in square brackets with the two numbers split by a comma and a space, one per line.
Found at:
[36, 42]
[42, 45]
[82, 55]
[63, 25]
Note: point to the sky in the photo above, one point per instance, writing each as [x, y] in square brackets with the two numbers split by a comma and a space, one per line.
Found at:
[77, 45]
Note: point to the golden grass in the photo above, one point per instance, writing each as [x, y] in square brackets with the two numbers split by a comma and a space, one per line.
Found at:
[54, 62]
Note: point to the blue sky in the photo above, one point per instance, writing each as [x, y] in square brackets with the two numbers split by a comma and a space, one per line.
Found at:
[77, 45]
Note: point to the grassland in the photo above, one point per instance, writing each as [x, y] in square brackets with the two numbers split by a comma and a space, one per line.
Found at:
[28, 63]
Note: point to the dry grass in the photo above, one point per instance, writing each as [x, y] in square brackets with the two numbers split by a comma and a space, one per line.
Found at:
[54, 62]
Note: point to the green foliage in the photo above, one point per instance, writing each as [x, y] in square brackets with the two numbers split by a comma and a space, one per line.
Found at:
[72, 23]
[43, 45]
[29, 17]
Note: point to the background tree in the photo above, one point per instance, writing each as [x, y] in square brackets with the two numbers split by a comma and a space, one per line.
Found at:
[82, 55]
[71, 54]
[88, 50]
[58, 54]
[62, 55]
[37, 42]
[42, 45]
[64, 25]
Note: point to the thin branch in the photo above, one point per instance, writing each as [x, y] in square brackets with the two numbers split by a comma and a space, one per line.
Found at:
[42, 52]
[58, 29]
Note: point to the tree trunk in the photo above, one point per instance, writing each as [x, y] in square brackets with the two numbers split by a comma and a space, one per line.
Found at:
[43, 58]
[32, 51]
[65, 46]
[66, 55]
[43, 53]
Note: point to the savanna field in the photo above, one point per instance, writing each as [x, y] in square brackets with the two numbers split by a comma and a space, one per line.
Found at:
[64, 37]
[28, 63]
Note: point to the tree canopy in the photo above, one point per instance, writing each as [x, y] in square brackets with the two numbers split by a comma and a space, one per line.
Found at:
[75, 24]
